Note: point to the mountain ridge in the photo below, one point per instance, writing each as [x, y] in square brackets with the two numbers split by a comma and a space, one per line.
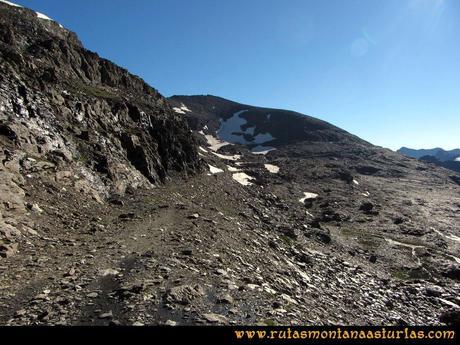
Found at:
[439, 153]
[449, 159]
[286, 126]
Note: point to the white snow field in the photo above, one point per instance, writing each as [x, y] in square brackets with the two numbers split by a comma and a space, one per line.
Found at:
[214, 170]
[242, 178]
[272, 168]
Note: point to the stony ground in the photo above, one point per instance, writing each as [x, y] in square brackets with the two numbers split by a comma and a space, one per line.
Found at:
[209, 250]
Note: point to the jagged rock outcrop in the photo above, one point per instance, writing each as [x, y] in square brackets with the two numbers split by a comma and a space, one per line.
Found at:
[69, 116]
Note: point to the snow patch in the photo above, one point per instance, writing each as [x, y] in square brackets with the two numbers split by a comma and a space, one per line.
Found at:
[263, 138]
[308, 195]
[178, 110]
[10, 3]
[229, 127]
[242, 178]
[202, 149]
[231, 130]
[457, 159]
[182, 109]
[214, 170]
[42, 16]
[214, 143]
[272, 168]
[39, 15]
[232, 169]
[356, 182]
[230, 158]
[262, 150]
[449, 236]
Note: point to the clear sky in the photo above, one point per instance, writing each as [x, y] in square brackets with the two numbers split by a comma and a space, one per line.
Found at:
[385, 70]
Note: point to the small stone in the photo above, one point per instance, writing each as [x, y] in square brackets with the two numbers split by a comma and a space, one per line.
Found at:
[70, 273]
[170, 323]
[276, 305]
[109, 272]
[221, 272]
[187, 252]
[373, 259]
[215, 318]
[434, 291]
[194, 216]
[252, 286]
[107, 315]
[20, 313]
[36, 209]
[126, 216]
[225, 299]
[7, 250]
[184, 294]
[93, 295]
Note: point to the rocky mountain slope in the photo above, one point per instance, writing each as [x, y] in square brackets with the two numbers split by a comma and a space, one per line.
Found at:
[115, 212]
[71, 117]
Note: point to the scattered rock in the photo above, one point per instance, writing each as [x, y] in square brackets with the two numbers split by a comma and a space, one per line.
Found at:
[7, 250]
[452, 271]
[225, 299]
[108, 315]
[434, 291]
[187, 252]
[215, 318]
[184, 294]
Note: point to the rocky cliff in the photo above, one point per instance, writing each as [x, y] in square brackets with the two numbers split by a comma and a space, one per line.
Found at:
[66, 114]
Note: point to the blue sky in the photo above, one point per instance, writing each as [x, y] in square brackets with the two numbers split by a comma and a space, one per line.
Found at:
[385, 70]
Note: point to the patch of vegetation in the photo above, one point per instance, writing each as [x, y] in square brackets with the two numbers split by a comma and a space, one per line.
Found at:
[93, 91]
[410, 273]
[348, 232]
[288, 240]
[369, 243]
[269, 322]
[400, 274]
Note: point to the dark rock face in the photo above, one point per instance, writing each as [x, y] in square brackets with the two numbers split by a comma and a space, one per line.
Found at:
[68, 115]
[95, 108]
